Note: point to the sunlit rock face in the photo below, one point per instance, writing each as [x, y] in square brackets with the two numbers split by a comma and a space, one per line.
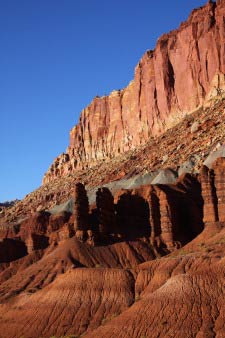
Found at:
[185, 70]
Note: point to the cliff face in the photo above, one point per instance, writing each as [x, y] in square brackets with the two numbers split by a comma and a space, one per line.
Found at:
[186, 69]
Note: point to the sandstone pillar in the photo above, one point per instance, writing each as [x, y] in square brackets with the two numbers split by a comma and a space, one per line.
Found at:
[209, 195]
[219, 171]
[166, 219]
[154, 213]
[106, 211]
[81, 210]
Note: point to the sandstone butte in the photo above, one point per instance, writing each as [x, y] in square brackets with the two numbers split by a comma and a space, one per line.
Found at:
[82, 258]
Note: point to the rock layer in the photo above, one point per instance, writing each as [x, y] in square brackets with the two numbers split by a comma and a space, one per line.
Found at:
[213, 191]
[165, 216]
[157, 98]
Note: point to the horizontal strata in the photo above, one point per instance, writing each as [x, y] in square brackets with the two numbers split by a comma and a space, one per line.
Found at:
[177, 146]
[157, 98]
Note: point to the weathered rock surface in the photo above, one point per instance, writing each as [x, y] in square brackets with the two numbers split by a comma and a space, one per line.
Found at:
[167, 216]
[175, 306]
[70, 268]
[96, 289]
[157, 98]
[72, 287]
[213, 191]
[170, 293]
[132, 169]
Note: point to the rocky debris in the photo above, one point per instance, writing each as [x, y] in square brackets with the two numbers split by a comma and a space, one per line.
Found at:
[7, 204]
[165, 158]
[195, 127]
[158, 97]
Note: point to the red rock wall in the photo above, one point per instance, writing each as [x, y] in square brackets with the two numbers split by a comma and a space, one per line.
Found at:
[213, 192]
[219, 170]
[210, 208]
[186, 67]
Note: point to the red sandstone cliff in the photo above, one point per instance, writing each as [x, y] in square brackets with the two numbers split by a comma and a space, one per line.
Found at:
[186, 68]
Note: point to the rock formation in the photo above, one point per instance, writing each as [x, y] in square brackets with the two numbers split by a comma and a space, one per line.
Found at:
[35, 242]
[157, 98]
[105, 210]
[81, 210]
[70, 269]
[154, 220]
[209, 195]
[219, 171]
[57, 221]
[213, 191]
[167, 215]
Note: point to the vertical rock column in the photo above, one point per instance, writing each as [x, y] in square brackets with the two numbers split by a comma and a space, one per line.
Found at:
[209, 195]
[81, 210]
[106, 211]
[154, 218]
[166, 212]
[219, 171]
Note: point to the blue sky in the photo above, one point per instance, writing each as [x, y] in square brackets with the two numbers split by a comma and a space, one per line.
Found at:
[56, 55]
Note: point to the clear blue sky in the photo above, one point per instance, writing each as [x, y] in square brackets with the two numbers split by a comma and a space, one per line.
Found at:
[56, 55]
